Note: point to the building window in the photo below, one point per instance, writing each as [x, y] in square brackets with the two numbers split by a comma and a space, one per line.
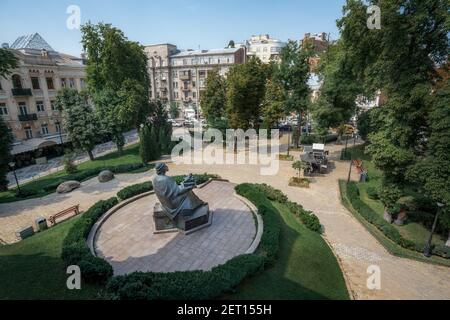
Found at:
[44, 129]
[194, 95]
[186, 94]
[63, 82]
[202, 74]
[53, 105]
[3, 109]
[35, 83]
[23, 108]
[50, 85]
[82, 83]
[17, 81]
[58, 127]
[193, 84]
[1, 86]
[29, 133]
[72, 83]
[40, 106]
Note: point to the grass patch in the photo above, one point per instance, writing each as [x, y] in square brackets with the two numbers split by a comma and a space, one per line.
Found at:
[285, 157]
[306, 268]
[390, 246]
[37, 188]
[299, 182]
[33, 269]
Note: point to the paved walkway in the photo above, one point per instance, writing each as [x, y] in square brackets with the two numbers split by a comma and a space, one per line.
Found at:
[36, 171]
[356, 248]
[127, 242]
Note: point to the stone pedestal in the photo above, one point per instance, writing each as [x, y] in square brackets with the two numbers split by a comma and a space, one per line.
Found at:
[201, 218]
[162, 222]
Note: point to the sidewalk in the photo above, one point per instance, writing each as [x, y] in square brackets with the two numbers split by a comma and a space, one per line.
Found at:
[37, 171]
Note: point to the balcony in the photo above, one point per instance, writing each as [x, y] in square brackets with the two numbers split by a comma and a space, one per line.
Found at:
[20, 92]
[28, 117]
[185, 76]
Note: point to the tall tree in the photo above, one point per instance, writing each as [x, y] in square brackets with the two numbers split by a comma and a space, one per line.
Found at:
[6, 139]
[8, 61]
[117, 78]
[400, 59]
[245, 93]
[213, 99]
[79, 120]
[336, 103]
[273, 105]
[293, 74]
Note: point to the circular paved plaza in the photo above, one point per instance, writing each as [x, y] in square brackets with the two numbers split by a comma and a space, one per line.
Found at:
[126, 239]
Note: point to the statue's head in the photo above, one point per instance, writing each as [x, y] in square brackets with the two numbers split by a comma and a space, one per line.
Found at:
[161, 168]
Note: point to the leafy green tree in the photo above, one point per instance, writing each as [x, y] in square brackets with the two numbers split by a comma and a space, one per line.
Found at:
[400, 59]
[245, 93]
[8, 61]
[79, 120]
[337, 100]
[300, 167]
[293, 73]
[213, 99]
[149, 148]
[273, 105]
[174, 110]
[117, 79]
[6, 139]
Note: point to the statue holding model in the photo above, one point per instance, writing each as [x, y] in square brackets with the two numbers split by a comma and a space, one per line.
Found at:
[179, 206]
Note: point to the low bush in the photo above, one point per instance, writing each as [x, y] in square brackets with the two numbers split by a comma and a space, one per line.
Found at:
[134, 190]
[372, 217]
[372, 193]
[75, 250]
[299, 182]
[310, 220]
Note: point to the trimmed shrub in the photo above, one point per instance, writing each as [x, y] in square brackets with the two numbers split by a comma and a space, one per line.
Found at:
[75, 250]
[372, 193]
[134, 190]
[310, 220]
[372, 217]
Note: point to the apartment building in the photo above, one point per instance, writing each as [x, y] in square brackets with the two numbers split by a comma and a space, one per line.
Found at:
[318, 42]
[264, 47]
[27, 95]
[180, 76]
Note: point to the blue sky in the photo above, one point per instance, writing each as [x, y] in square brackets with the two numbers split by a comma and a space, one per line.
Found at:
[185, 23]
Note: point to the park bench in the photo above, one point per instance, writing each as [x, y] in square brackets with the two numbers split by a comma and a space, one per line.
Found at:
[74, 209]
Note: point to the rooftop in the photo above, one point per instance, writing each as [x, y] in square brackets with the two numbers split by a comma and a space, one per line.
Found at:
[31, 41]
[189, 53]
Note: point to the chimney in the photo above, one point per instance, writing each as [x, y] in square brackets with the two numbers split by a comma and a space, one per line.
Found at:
[324, 36]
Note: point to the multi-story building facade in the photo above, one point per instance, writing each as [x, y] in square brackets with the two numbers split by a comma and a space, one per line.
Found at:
[264, 47]
[27, 95]
[318, 43]
[180, 76]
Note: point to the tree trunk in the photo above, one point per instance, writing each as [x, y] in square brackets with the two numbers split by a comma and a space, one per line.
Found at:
[91, 155]
[120, 149]
[299, 128]
[448, 240]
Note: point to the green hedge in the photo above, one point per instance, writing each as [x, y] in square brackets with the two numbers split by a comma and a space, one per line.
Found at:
[371, 216]
[140, 188]
[201, 285]
[310, 220]
[75, 250]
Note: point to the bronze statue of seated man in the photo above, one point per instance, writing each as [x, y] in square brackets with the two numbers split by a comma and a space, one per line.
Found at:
[179, 202]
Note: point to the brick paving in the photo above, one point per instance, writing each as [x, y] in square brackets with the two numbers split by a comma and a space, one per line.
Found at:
[127, 242]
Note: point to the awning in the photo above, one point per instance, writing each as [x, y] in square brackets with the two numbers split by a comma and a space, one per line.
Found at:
[37, 143]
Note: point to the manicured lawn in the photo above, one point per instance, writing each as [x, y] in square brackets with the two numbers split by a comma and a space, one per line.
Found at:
[129, 156]
[306, 268]
[413, 231]
[32, 268]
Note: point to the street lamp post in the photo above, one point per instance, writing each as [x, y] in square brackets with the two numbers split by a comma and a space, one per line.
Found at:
[289, 140]
[351, 161]
[427, 249]
[13, 166]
